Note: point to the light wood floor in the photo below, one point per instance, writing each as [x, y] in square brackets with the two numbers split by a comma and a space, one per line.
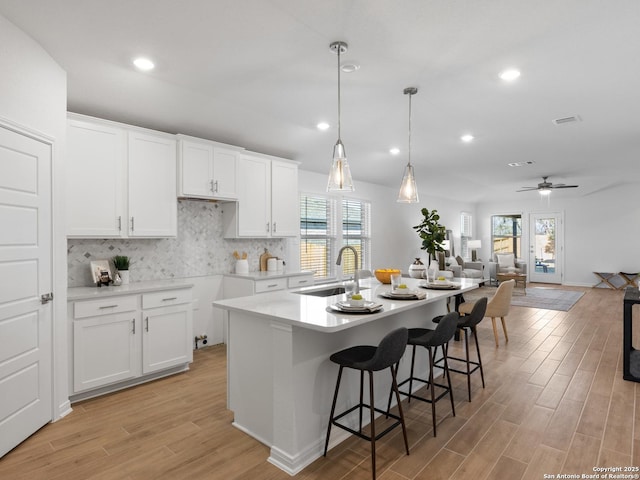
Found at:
[555, 402]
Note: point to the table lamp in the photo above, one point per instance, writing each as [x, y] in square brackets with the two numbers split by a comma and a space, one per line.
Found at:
[474, 245]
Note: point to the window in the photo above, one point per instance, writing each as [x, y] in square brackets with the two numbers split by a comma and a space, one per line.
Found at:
[321, 234]
[317, 235]
[466, 233]
[506, 233]
[356, 231]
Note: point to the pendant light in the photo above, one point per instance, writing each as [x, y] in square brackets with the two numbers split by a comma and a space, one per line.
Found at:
[339, 175]
[408, 191]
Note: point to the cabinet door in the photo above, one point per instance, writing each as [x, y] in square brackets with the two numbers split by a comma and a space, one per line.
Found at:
[196, 169]
[96, 157]
[225, 165]
[152, 186]
[254, 205]
[105, 350]
[166, 337]
[285, 215]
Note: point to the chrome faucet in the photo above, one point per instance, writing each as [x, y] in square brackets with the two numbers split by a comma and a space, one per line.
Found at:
[355, 266]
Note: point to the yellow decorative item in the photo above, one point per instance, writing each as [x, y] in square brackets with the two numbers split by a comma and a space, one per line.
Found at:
[384, 274]
[402, 285]
[357, 296]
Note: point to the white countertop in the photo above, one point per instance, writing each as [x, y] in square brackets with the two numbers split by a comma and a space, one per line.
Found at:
[86, 293]
[267, 275]
[308, 311]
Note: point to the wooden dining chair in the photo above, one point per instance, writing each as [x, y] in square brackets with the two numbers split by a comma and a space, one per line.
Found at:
[497, 307]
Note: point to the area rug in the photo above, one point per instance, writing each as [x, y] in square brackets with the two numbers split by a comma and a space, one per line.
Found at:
[536, 297]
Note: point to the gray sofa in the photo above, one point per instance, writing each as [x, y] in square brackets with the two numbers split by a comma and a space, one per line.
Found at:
[505, 263]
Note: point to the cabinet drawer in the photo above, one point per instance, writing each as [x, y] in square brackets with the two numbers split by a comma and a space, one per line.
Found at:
[271, 285]
[166, 298]
[301, 281]
[105, 306]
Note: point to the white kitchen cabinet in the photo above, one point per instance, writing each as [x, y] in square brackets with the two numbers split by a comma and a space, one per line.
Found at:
[124, 340]
[152, 185]
[96, 166]
[121, 180]
[167, 337]
[267, 203]
[206, 170]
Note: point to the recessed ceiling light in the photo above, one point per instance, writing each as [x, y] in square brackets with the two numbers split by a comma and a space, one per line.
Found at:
[323, 126]
[509, 75]
[349, 67]
[143, 64]
[467, 138]
[394, 151]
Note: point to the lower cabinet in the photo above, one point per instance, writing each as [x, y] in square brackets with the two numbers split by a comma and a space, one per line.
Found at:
[124, 340]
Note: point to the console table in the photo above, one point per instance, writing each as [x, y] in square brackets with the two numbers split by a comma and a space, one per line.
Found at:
[631, 356]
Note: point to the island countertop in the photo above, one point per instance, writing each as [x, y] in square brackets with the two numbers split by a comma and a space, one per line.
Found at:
[312, 312]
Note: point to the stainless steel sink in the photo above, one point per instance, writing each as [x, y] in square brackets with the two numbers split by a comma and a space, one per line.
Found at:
[327, 291]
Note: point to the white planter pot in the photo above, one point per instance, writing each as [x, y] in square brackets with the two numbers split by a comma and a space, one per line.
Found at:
[124, 275]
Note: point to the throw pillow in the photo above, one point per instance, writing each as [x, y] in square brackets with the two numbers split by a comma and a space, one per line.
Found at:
[460, 260]
[452, 261]
[506, 260]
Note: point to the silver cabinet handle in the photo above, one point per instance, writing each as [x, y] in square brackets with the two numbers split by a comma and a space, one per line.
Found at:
[303, 281]
[133, 324]
[274, 227]
[211, 186]
[132, 224]
[146, 323]
[215, 190]
[103, 307]
[267, 226]
[273, 285]
[120, 223]
[169, 299]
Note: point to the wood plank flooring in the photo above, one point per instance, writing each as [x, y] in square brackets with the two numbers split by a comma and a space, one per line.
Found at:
[554, 403]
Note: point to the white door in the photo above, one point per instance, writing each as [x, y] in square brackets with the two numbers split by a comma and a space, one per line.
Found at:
[196, 168]
[25, 275]
[225, 166]
[166, 338]
[254, 207]
[545, 247]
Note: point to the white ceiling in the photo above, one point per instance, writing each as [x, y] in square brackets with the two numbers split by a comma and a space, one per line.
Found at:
[259, 74]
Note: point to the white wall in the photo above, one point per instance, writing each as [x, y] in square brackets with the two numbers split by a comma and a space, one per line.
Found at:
[601, 231]
[33, 94]
[395, 242]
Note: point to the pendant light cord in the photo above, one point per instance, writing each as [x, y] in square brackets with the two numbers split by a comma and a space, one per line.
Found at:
[410, 95]
[338, 51]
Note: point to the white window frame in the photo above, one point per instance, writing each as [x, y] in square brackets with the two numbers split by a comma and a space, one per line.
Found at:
[466, 233]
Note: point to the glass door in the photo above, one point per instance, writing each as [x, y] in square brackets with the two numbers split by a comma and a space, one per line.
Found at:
[545, 247]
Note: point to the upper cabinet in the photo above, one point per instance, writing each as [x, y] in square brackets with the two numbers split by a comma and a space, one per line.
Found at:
[267, 199]
[207, 170]
[121, 180]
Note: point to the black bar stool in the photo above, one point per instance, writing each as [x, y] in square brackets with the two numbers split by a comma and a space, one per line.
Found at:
[367, 358]
[468, 323]
[431, 340]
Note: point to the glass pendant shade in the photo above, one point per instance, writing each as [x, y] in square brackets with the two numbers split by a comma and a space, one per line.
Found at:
[340, 174]
[408, 191]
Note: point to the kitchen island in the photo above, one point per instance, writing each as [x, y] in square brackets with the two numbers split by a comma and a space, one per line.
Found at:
[279, 376]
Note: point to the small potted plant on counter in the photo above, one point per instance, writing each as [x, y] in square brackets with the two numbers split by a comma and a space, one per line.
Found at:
[121, 262]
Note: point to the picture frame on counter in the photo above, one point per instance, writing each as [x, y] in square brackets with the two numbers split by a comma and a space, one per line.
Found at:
[101, 272]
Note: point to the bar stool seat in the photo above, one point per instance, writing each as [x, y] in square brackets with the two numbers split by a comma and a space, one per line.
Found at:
[367, 358]
[468, 323]
[431, 340]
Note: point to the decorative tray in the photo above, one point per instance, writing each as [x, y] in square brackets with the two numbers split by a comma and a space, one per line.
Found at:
[440, 286]
[346, 307]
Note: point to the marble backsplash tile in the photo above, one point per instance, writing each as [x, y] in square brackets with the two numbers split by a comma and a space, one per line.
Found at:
[198, 250]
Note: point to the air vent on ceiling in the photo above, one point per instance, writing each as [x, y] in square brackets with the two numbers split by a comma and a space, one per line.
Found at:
[520, 164]
[561, 121]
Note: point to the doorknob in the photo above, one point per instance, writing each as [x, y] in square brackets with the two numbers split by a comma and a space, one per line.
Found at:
[46, 298]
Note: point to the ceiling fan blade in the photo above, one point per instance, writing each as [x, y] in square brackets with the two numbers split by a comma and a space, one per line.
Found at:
[527, 189]
[562, 185]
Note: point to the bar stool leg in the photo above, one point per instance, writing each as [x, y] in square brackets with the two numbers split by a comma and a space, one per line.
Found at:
[433, 389]
[333, 410]
[475, 337]
[413, 361]
[445, 353]
[394, 386]
[373, 426]
[466, 348]
[361, 397]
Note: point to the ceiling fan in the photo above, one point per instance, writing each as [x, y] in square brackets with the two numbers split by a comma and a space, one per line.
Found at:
[545, 187]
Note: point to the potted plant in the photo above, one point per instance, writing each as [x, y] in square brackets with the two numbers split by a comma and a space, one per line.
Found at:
[121, 262]
[431, 233]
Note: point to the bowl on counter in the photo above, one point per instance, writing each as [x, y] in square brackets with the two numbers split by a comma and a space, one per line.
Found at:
[384, 274]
